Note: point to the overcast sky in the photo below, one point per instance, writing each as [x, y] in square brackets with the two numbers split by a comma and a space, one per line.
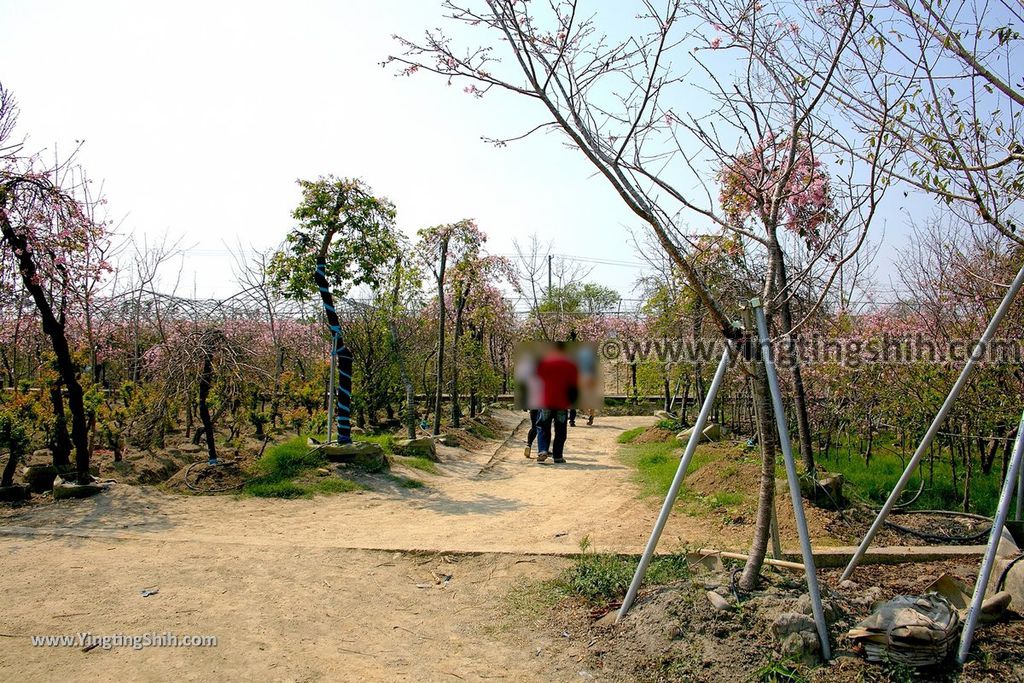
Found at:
[199, 116]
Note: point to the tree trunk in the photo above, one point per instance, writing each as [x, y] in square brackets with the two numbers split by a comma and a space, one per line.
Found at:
[634, 392]
[410, 410]
[12, 463]
[55, 331]
[460, 304]
[442, 315]
[685, 406]
[965, 450]
[803, 423]
[766, 495]
[205, 381]
[60, 443]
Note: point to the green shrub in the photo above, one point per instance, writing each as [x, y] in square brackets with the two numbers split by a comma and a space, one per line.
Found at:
[289, 459]
[670, 425]
[282, 464]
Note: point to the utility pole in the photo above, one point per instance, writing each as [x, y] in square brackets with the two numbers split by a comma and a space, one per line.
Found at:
[549, 275]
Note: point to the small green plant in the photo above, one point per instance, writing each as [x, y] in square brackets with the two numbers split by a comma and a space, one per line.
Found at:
[600, 578]
[290, 458]
[779, 672]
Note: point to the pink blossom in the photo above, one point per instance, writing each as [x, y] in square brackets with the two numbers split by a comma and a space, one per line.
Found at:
[716, 42]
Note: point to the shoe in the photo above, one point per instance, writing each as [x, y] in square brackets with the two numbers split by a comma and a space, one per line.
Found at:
[559, 461]
[527, 452]
[572, 423]
[541, 457]
[590, 420]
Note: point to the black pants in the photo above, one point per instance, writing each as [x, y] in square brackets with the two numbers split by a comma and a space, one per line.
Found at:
[532, 434]
[559, 420]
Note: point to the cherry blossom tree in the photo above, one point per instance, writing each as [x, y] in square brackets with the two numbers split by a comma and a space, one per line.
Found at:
[932, 83]
[626, 104]
[49, 244]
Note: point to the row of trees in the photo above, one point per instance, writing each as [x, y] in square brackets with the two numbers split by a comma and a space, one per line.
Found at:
[809, 112]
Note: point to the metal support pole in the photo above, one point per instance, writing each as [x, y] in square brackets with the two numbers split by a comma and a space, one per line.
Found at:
[677, 482]
[940, 417]
[1002, 511]
[331, 398]
[791, 475]
[1020, 490]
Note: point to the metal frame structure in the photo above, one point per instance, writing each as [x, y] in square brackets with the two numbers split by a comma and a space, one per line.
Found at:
[1013, 473]
[791, 475]
[940, 418]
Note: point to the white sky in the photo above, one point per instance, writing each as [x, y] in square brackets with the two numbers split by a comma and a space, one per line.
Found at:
[198, 117]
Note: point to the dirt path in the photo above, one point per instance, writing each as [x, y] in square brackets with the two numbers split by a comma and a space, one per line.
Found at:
[480, 503]
[304, 590]
[279, 614]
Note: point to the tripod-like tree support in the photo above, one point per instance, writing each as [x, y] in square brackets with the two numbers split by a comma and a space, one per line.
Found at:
[940, 418]
[794, 482]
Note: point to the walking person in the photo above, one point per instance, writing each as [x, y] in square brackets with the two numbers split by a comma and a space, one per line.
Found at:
[559, 378]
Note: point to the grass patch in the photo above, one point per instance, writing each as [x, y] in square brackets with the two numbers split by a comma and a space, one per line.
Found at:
[284, 468]
[600, 578]
[263, 488]
[336, 485]
[630, 434]
[481, 431]
[385, 441]
[874, 481]
[656, 464]
[417, 463]
[670, 425]
[406, 482]
[725, 499]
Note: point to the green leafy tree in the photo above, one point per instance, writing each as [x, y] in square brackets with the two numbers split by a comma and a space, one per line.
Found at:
[342, 221]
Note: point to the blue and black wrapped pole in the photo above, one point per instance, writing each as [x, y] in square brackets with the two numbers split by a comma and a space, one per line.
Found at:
[342, 356]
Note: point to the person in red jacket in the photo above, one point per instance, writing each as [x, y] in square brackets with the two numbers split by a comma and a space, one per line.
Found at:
[559, 380]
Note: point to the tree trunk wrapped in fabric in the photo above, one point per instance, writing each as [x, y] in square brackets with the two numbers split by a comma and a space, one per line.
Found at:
[343, 381]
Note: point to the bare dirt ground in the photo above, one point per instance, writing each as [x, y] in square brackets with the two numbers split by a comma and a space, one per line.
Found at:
[393, 584]
[303, 589]
[493, 501]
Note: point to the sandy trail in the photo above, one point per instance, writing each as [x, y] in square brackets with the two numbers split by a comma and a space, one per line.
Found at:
[303, 590]
[481, 503]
